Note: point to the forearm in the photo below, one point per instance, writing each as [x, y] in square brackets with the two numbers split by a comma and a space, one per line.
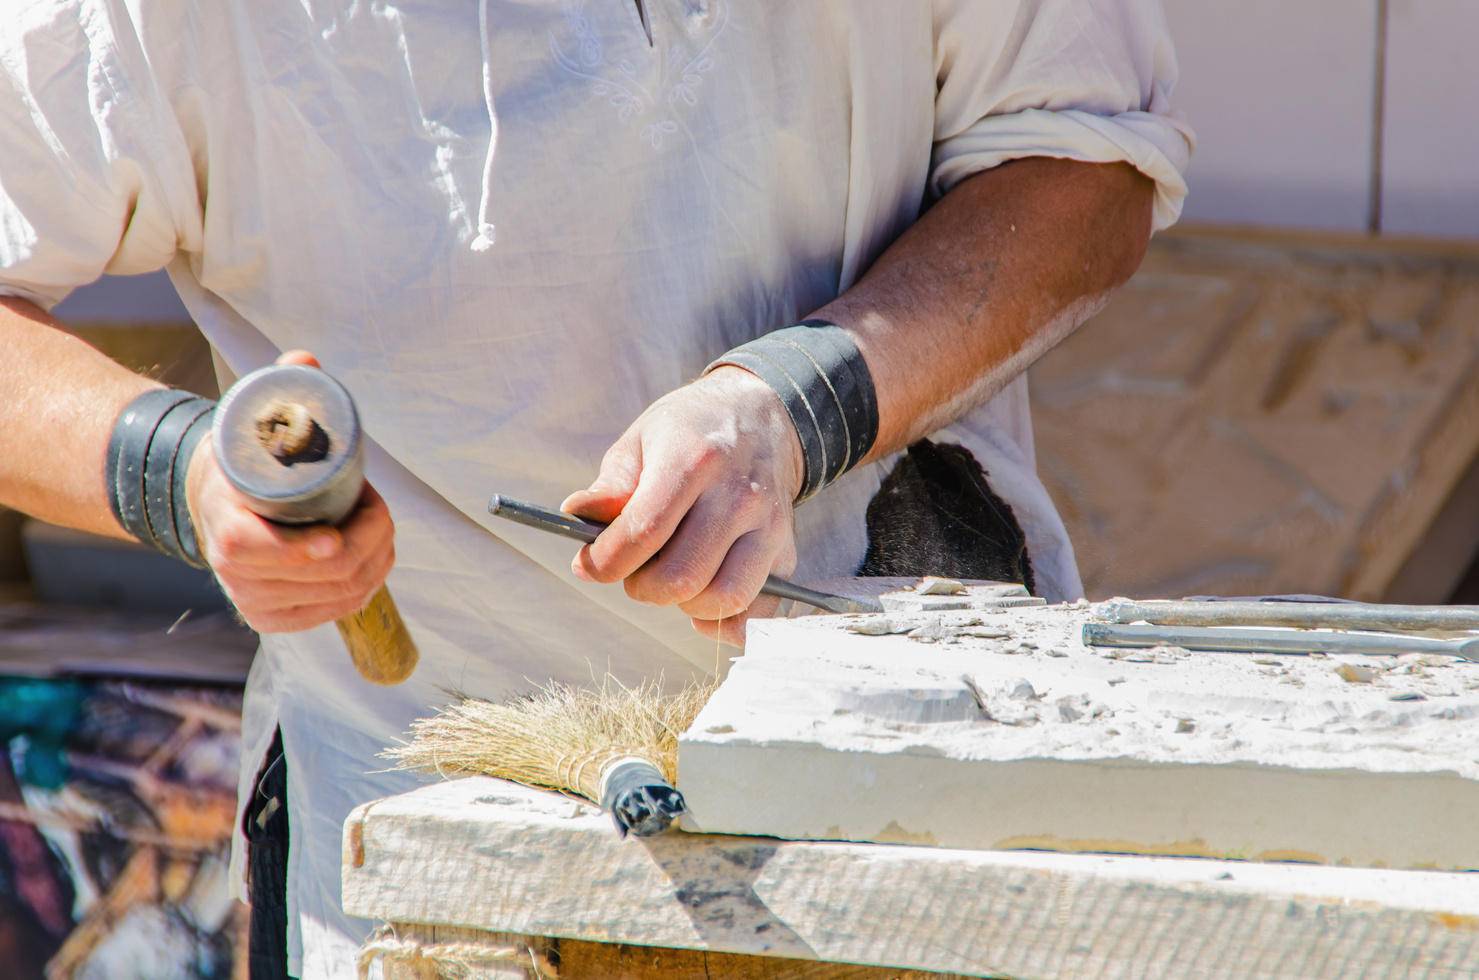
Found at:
[1006, 265]
[59, 398]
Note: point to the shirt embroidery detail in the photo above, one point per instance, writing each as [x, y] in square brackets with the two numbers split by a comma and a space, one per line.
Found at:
[683, 73]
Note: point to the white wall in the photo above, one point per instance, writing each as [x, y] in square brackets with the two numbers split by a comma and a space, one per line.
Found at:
[1431, 149]
[1282, 96]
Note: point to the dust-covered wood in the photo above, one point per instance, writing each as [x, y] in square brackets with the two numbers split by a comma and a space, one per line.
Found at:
[378, 641]
[285, 428]
[480, 853]
[616, 961]
[574, 959]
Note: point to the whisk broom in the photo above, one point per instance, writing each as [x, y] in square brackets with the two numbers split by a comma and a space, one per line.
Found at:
[616, 746]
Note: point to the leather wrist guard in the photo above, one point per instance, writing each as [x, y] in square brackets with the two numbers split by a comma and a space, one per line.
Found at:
[823, 381]
[148, 457]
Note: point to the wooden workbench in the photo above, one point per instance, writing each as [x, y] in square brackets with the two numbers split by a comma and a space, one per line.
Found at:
[543, 882]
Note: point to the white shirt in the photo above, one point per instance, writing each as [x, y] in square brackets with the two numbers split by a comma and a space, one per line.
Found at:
[508, 227]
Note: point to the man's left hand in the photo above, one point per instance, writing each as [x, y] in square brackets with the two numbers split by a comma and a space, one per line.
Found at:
[698, 493]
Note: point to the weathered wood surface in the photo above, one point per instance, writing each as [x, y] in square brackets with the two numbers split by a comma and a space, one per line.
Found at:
[1267, 412]
[574, 959]
[1000, 729]
[484, 854]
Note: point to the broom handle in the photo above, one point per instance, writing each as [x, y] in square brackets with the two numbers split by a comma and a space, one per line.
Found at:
[570, 526]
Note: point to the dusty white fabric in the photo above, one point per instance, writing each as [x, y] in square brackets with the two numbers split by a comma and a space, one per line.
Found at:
[327, 176]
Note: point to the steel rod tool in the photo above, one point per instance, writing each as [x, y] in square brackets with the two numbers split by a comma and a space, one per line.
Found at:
[1238, 640]
[1311, 615]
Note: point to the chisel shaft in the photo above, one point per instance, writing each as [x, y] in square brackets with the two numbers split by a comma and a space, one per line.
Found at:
[1237, 640]
[1309, 615]
[570, 526]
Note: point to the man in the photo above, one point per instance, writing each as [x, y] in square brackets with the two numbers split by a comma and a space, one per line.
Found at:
[512, 229]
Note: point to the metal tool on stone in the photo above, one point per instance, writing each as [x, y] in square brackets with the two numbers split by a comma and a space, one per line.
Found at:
[1311, 615]
[288, 437]
[1238, 640]
[570, 526]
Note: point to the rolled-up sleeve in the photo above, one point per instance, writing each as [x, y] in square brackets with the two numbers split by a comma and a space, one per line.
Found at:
[1082, 80]
[95, 175]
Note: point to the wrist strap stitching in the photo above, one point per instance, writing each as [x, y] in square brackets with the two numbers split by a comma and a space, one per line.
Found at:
[161, 505]
[184, 525]
[846, 462]
[128, 447]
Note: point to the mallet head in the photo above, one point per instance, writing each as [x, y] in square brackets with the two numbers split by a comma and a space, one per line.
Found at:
[288, 437]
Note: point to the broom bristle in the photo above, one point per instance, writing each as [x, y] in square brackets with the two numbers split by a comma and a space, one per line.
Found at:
[557, 738]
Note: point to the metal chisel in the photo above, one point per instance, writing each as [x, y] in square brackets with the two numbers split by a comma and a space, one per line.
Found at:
[1240, 640]
[1306, 615]
[570, 526]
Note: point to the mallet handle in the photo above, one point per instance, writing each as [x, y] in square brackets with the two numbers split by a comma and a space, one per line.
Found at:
[379, 645]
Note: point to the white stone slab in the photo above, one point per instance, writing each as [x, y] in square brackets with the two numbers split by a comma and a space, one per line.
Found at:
[485, 854]
[1033, 740]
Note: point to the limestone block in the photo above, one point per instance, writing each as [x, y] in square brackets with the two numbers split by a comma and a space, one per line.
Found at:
[999, 729]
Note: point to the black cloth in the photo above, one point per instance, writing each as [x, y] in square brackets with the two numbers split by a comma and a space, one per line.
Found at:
[265, 823]
[936, 514]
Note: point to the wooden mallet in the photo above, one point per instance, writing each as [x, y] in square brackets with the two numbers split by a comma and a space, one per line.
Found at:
[288, 438]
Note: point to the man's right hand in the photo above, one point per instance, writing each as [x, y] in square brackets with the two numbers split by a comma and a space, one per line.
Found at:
[59, 399]
[286, 579]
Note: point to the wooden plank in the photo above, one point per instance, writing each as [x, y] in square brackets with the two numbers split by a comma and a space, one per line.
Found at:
[573, 959]
[485, 854]
[615, 961]
[1437, 563]
[1411, 251]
